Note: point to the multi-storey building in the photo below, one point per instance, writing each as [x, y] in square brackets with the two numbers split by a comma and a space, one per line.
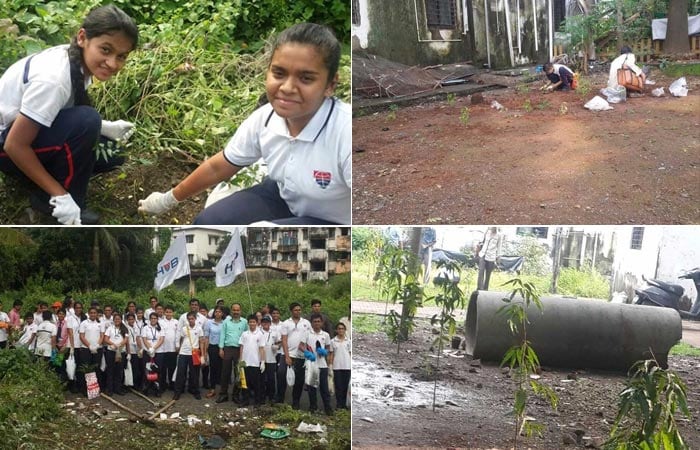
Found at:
[304, 253]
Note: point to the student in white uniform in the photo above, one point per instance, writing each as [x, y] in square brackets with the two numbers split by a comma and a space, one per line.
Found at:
[281, 375]
[45, 337]
[303, 135]
[171, 336]
[294, 332]
[340, 360]
[28, 335]
[73, 323]
[153, 301]
[191, 339]
[116, 340]
[152, 338]
[253, 354]
[135, 351]
[318, 342]
[48, 130]
[91, 350]
[272, 340]
[4, 327]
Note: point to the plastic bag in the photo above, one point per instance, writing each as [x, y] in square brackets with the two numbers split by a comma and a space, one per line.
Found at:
[679, 88]
[70, 367]
[616, 95]
[597, 104]
[103, 363]
[658, 92]
[128, 374]
[331, 383]
[291, 377]
[312, 373]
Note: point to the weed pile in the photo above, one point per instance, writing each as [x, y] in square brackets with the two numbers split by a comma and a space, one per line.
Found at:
[36, 395]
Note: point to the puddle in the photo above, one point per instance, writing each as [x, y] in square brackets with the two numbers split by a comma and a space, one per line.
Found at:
[372, 386]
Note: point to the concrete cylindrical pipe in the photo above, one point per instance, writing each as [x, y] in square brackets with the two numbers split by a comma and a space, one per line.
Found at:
[574, 333]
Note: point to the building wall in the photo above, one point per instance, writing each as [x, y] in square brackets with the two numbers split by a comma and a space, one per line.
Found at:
[399, 32]
[391, 30]
[203, 245]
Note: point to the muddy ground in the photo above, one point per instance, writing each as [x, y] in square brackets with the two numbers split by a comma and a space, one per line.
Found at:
[392, 400]
[545, 159]
[104, 425]
[115, 195]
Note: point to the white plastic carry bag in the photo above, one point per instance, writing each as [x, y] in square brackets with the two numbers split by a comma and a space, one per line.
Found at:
[128, 374]
[70, 367]
[290, 376]
[312, 373]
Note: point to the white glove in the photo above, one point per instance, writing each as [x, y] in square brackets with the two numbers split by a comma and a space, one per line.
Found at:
[140, 353]
[121, 130]
[157, 203]
[93, 349]
[65, 209]
[152, 352]
[262, 367]
[330, 372]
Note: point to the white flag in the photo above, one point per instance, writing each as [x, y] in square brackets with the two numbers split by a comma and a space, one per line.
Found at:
[175, 264]
[231, 263]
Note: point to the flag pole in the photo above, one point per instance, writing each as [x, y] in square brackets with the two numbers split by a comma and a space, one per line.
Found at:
[250, 297]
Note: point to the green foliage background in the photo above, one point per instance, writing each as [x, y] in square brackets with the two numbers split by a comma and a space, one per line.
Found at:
[198, 71]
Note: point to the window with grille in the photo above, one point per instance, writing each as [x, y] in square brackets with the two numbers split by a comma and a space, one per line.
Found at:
[637, 238]
[355, 12]
[189, 238]
[440, 13]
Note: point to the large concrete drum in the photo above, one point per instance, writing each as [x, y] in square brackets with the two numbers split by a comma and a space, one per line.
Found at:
[575, 333]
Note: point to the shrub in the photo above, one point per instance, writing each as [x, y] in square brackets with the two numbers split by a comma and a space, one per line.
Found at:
[583, 283]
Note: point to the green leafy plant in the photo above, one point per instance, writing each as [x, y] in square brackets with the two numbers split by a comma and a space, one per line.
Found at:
[543, 104]
[449, 299]
[399, 282]
[464, 116]
[646, 417]
[392, 111]
[451, 98]
[522, 89]
[522, 358]
[527, 105]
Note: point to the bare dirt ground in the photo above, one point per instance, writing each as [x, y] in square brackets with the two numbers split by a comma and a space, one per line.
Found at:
[392, 400]
[544, 160]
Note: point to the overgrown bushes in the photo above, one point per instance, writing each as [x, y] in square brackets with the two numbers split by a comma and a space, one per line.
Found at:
[35, 394]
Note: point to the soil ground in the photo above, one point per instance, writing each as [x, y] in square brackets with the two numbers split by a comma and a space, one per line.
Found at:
[392, 397]
[105, 425]
[115, 195]
[545, 159]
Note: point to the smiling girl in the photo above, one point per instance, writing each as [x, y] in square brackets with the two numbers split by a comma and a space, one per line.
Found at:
[303, 134]
[48, 128]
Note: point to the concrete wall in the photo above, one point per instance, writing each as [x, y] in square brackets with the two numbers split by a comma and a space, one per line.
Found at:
[389, 30]
[392, 30]
[666, 253]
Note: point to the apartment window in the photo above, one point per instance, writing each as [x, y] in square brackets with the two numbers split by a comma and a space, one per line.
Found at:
[304, 256]
[288, 238]
[440, 13]
[637, 238]
[189, 238]
[273, 255]
[355, 12]
[213, 240]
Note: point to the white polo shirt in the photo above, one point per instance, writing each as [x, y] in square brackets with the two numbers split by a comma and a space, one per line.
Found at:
[189, 338]
[296, 333]
[170, 330]
[251, 341]
[47, 89]
[312, 170]
[314, 340]
[91, 330]
[74, 324]
[341, 353]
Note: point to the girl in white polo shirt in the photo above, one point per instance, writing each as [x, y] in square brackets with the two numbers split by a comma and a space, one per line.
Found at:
[48, 130]
[303, 135]
[116, 340]
[90, 352]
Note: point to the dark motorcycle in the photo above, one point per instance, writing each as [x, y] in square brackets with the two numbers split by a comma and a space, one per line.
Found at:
[668, 295]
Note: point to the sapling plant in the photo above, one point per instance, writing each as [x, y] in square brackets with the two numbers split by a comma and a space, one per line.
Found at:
[451, 98]
[521, 358]
[448, 299]
[399, 282]
[648, 405]
[464, 116]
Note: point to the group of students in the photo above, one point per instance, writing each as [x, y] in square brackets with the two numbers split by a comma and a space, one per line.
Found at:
[168, 353]
[49, 130]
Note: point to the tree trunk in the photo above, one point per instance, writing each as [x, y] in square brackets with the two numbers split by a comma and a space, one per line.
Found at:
[556, 260]
[677, 29]
[620, 21]
[414, 245]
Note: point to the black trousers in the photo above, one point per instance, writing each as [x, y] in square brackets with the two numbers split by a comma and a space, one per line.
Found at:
[281, 378]
[323, 388]
[185, 366]
[485, 269]
[298, 365]
[254, 393]
[215, 362]
[87, 358]
[66, 150]
[268, 381]
[167, 370]
[341, 381]
[137, 371]
[114, 374]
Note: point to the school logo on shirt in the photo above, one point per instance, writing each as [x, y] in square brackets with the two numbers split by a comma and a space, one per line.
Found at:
[323, 179]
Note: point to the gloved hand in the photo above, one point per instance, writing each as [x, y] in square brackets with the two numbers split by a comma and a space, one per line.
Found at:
[121, 130]
[152, 352]
[321, 351]
[65, 209]
[550, 88]
[112, 347]
[93, 349]
[309, 355]
[157, 203]
[71, 351]
[262, 367]
[140, 353]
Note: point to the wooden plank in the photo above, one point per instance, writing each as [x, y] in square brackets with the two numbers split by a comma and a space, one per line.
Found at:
[167, 405]
[126, 408]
